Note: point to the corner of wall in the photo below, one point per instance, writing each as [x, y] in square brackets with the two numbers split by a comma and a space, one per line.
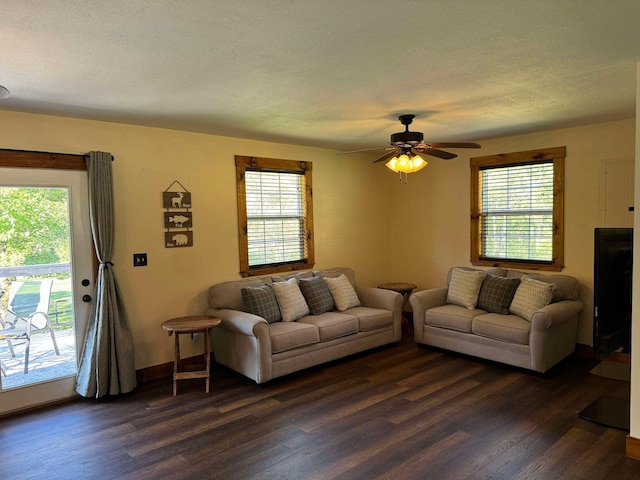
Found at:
[634, 433]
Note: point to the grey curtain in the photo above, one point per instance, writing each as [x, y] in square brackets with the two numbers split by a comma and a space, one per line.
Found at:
[107, 366]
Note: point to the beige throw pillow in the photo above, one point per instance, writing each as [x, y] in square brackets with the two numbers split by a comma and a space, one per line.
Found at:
[290, 300]
[344, 296]
[531, 296]
[464, 287]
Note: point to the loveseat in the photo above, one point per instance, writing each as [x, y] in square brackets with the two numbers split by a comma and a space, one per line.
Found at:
[275, 325]
[520, 319]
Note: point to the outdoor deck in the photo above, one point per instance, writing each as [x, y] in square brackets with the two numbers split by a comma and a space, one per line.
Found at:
[44, 364]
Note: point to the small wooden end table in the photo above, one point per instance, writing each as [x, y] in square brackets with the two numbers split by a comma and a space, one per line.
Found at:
[405, 289]
[191, 324]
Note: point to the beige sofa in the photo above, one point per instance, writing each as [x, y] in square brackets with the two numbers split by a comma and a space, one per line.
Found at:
[532, 338]
[250, 345]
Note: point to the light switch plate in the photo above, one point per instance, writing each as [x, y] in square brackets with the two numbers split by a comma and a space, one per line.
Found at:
[139, 259]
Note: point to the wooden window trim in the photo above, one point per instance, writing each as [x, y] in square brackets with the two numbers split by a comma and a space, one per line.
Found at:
[244, 163]
[557, 156]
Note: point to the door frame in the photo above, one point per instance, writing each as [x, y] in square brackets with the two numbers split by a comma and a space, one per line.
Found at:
[45, 160]
[58, 161]
[34, 159]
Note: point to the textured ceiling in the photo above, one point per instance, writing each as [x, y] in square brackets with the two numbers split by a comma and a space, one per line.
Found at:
[327, 73]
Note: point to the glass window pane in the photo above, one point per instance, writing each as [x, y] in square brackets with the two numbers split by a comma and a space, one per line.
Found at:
[275, 217]
[517, 212]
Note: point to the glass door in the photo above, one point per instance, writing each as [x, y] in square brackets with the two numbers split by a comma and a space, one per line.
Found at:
[46, 279]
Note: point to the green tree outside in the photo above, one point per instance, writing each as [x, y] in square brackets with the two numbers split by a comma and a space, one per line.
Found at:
[34, 230]
[34, 227]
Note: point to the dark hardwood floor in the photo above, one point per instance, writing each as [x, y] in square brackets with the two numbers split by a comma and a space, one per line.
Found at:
[400, 412]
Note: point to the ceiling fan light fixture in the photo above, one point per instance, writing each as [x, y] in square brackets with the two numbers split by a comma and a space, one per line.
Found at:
[4, 92]
[406, 163]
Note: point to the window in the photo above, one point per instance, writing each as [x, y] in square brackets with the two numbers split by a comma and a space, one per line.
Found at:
[275, 215]
[517, 210]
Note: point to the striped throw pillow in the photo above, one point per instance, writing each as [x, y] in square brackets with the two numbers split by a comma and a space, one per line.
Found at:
[342, 291]
[464, 287]
[292, 304]
[531, 296]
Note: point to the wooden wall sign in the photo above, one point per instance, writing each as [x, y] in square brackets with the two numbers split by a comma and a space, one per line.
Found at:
[178, 239]
[176, 199]
[178, 220]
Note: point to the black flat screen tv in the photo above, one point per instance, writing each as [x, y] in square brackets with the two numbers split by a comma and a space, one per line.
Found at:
[612, 293]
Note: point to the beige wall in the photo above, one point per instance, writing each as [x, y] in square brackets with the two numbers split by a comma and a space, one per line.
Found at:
[351, 214]
[364, 217]
[431, 219]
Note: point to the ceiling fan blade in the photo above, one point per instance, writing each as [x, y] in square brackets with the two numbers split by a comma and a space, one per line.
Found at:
[455, 145]
[387, 156]
[365, 150]
[434, 152]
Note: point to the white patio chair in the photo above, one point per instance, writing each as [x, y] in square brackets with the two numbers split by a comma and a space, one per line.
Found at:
[27, 312]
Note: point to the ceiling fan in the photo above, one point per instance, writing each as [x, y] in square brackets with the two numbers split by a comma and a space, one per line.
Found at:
[412, 144]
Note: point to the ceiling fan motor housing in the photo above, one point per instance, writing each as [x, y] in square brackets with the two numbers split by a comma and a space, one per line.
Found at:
[412, 138]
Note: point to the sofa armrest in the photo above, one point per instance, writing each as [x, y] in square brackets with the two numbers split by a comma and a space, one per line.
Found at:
[555, 314]
[378, 298]
[421, 302]
[238, 321]
[385, 300]
[553, 333]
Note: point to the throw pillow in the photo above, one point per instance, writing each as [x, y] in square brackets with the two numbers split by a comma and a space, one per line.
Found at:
[464, 287]
[531, 296]
[317, 295]
[496, 293]
[261, 301]
[342, 291]
[290, 299]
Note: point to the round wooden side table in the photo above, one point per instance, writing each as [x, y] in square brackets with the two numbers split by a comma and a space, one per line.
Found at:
[405, 289]
[191, 324]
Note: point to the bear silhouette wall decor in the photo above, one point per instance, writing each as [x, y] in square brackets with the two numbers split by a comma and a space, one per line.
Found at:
[178, 220]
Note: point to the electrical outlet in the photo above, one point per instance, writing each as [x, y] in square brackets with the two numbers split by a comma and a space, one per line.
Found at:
[139, 259]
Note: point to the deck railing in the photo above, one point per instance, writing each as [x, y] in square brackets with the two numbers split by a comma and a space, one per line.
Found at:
[43, 269]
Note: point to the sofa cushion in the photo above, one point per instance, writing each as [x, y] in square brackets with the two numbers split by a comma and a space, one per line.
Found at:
[261, 301]
[507, 328]
[336, 272]
[452, 317]
[317, 295]
[567, 287]
[297, 275]
[344, 296]
[229, 294]
[290, 300]
[496, 293]
[290, 335]
[371, 318]
[464, 287]
[531, 296]
[332, 324]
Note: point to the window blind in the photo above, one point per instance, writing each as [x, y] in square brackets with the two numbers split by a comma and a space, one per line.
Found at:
[275, 217]
[517, 212]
